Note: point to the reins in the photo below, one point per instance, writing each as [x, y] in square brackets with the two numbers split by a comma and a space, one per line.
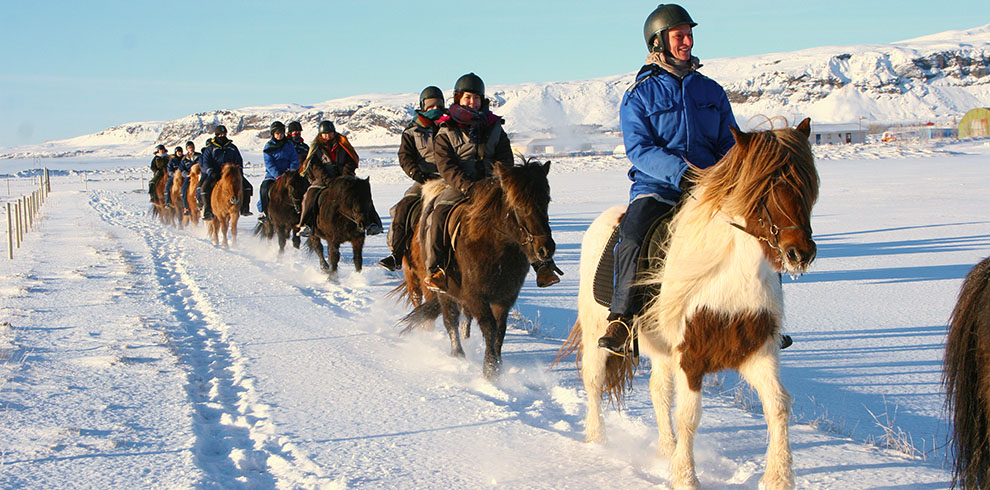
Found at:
[774, 231]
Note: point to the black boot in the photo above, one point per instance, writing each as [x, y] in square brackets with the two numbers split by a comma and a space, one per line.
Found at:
[391, 263]
[785, 341]
[617, 334]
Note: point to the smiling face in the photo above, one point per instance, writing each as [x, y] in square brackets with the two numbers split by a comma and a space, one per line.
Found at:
[471, 99]
[680, 40]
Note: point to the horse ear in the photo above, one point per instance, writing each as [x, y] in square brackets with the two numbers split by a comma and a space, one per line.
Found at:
[742, 138]
[546, 168]
[502, 166]
[804, 127]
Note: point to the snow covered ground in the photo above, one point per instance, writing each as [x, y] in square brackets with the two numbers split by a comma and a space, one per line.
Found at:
[138, 356]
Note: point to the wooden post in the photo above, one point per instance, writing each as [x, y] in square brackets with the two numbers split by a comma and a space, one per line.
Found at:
[10, 234]
[30, 211]
[17, 211]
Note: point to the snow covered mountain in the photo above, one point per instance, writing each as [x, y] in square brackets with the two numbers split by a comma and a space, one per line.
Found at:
[934, 78]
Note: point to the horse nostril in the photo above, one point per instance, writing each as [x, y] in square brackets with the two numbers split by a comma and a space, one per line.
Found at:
[793, 256]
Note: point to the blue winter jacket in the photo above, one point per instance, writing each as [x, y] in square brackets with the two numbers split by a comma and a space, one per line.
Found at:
[216, 155]
[667, 122]
[280, 159]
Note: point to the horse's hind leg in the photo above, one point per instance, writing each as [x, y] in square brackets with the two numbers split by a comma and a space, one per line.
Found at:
[661, 392]
[333, 250]
[688, 415]
[762, 372]
[593, 375]
[451, 316]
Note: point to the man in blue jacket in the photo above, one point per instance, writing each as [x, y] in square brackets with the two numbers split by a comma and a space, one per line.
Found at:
[673, 119]
[220, 150]
[280, 156]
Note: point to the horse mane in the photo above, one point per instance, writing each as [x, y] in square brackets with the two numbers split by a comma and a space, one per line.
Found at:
[748, 172]
[520, 187]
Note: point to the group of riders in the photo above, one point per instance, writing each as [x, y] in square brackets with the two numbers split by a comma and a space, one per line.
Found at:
[674, 120]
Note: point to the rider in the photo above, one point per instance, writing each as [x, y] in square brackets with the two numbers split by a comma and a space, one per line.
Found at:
[295, 135]
[280, 156]
[330, 155]
[219, 150]
[417, 159]
[174, 164]
[467, 146]
[192, 158]
[159, 165]
[673, 119]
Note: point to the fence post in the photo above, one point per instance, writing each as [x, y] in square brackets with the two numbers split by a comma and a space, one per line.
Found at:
[10, 235]
[17, 212]
[30, 214]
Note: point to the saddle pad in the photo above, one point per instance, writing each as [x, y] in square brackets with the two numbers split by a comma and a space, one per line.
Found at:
[650, 256]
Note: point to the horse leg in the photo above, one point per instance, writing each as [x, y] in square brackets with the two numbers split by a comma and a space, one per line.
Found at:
[501, 313]
[451, 315]
[333, 250]
[688, 415]
[224, 225]
[593, 376]
[661, 392]
[762, 372]
[357, 246]
[466, 326]
[317, 246]
[280, 230]
[489, 330]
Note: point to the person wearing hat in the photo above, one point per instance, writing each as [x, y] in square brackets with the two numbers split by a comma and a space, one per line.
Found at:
[174, 164]
[219, 151]
[416, 158]
[673, 120]
[467, 146]
[294, 132]
[330, 155]
[280, 156]
[192, 158]
[159, 165]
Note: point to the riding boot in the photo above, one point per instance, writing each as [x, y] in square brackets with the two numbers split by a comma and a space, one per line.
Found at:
[207, 202]
[391, 262]
[617, 334]
[546, 273]
[437, 280]
[785, 341]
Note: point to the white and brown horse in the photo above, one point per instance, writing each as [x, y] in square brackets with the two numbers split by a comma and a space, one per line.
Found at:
[226, 200]
[720, 306]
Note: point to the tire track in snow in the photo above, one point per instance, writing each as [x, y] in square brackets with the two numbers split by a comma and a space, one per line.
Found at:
[234, 439]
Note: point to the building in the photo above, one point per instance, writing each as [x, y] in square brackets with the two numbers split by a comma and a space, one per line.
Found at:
[837, 134]
[975, 124]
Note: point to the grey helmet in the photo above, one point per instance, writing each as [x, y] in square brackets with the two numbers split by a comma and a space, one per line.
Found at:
[295, 126]
[470, 83]
[327, 127]
[430, 92]
[662, 18]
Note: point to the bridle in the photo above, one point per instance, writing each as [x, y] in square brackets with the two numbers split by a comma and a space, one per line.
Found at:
[527, 237]
[773, 231]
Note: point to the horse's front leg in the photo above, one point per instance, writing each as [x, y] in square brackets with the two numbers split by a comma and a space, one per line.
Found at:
[661, 392]
[317, 246]
[333, 250]
[451, 315]
[501, 314]
[688, 415]
[357, 246]
[282, 236]
[762, 372]
[489, 330]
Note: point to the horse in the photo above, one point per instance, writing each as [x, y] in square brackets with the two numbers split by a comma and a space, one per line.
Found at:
[503, 227]
[284, 198]
[158, 208]
[345, 213]
[966, 377]
[193, 217]
[720, 305]
[226, 201]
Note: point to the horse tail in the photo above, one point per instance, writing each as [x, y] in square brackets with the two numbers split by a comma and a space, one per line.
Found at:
[570, 346]
[421, 315]
[264, 229]
[399, 293]
[967, 379]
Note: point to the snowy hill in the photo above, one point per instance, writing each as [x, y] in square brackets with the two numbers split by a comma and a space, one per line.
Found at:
[932, 78]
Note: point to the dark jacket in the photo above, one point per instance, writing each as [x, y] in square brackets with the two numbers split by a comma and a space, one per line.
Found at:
[280, 156]
[187, 163]
[159, 164]
[416, 152]
[461, 161]
[301, 148]
[667, 122]
[216, 155]
[174, 163]
[326, 161]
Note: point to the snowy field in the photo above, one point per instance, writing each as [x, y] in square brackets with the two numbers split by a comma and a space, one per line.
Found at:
[138, 356]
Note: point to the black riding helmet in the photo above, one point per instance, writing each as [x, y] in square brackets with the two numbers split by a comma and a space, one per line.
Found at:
[160, 148]
[277, 126]
[295, 126]
[327, 127]
[662, 18]
[431, 92]
[178, 149]
[221, 129]
[470, 83]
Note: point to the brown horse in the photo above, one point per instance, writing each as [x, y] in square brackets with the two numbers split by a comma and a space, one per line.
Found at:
[191, 196]
[158, 208]
[967, 379]
[503, 227]
[284, 198]
[346, 212]
[747, 220]
[226, 200]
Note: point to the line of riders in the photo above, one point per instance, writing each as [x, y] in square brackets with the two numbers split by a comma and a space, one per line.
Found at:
[462, 143]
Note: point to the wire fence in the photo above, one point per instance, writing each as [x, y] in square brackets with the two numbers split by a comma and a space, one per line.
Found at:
[24, 212]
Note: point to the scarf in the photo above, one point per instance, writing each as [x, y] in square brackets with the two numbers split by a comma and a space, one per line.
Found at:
[474, 122]
[675, 66]
[275, 145]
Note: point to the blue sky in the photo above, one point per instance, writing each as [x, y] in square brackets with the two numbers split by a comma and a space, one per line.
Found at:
[72, 68]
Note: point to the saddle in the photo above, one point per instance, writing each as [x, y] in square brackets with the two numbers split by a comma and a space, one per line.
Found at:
[651, 256]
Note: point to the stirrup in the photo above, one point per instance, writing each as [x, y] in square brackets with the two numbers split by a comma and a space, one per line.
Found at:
[391, 263]
[436, 281]
[306, 231]
[609, 343]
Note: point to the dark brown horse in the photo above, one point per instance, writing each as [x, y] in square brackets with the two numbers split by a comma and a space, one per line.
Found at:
[284, 198]
[503, 227]
[346, 213]
[226, 200]
[967, 379]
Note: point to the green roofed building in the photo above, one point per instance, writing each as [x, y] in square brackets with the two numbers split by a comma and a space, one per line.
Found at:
[975, 124]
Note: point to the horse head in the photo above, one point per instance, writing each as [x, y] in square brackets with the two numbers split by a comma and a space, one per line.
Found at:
[354, 200]
[770, 181]
[295, 186]
[526, 194]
